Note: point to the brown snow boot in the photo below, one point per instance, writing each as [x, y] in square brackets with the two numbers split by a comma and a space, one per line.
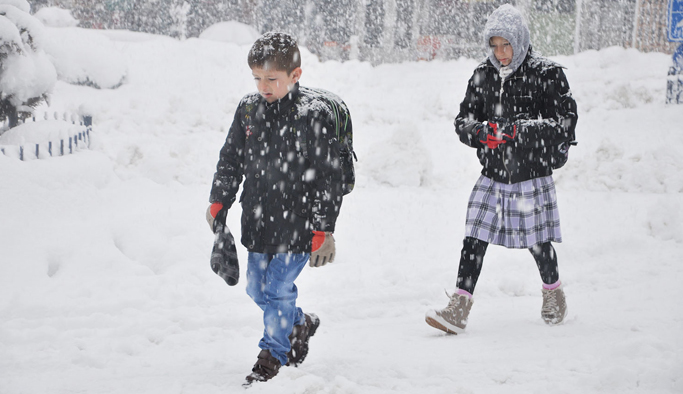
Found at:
[301, 334]
[266, 368]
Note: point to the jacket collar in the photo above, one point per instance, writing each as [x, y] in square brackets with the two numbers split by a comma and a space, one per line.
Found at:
[284, 103]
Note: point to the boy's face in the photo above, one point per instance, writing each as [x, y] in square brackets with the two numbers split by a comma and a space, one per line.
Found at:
[274, 84]
[502, 49]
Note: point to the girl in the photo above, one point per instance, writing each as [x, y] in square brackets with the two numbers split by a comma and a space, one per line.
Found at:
[519, 114]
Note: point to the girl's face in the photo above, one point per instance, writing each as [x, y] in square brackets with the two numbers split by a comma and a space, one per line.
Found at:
[501, 49]
[274, 84]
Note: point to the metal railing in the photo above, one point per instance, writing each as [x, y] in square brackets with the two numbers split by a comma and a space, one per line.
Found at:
[59, 147]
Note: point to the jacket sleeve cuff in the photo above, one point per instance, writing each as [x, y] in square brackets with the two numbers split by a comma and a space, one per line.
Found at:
[323, 224]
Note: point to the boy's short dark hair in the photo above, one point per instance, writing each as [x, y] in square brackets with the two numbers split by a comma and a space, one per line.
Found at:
[275, 50]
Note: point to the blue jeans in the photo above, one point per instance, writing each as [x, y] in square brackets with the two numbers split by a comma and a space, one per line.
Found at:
[270, 283]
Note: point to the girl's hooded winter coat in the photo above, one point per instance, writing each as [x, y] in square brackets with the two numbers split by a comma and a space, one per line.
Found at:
[532, 92]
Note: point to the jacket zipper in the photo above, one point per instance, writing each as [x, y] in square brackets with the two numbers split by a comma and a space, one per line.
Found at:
[500, 103]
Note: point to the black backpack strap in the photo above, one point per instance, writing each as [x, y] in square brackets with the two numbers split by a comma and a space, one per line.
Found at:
[301, 143]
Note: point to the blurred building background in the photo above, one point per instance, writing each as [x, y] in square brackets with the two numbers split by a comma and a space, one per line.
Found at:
[391, 30]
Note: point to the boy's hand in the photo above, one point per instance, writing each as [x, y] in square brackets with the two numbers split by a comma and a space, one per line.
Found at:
[322, 249]
[215, 214]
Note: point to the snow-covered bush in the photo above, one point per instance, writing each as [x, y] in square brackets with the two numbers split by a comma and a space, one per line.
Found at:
[85, 57]
[26, 73]
[22, 5]
[56, 17]
[81, 56]
[231, 31]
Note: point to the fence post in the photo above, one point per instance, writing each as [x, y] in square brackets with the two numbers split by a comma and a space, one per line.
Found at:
[87, 122]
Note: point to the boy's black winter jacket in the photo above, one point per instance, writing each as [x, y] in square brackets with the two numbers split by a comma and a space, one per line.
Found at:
[537, 98]
[286, 194]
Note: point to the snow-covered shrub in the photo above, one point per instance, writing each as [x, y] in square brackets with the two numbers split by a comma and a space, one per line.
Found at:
[85, 57]
[56, 17]
[26, 73]
[231, 31]
[22, 5]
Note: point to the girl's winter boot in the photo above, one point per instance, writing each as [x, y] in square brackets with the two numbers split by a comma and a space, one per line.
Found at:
[554, 307]
[453, 318]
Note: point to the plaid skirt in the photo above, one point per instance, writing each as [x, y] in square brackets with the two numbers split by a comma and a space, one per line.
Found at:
[519, 215]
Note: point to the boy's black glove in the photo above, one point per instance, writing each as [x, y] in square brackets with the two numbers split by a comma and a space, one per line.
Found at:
[224, 255]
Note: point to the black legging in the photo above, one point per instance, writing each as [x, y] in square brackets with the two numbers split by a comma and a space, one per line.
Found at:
[472, 257]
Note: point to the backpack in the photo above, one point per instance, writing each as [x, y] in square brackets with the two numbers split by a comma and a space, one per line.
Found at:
[559, 155]
[344, 134]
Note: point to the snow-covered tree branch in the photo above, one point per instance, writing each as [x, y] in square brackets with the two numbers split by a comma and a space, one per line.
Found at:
[27, 75]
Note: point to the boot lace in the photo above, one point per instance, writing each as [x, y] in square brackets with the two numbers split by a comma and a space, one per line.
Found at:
[454, 302]
[550, 302]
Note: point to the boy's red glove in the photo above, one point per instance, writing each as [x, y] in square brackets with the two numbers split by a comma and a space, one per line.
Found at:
[322, 249]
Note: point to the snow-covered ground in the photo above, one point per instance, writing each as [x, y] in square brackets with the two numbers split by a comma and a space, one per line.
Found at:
[105, 284]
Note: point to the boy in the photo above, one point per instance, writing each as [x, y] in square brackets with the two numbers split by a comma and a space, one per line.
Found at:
[519, 114]
[282, 141]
